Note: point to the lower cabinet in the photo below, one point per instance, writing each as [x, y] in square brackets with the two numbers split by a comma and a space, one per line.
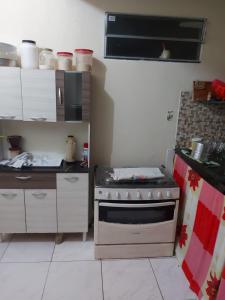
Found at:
[41, 210]
[64, 209]
[72, 202]
[12, 211]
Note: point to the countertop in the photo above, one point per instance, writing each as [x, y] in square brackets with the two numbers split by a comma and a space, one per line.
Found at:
[214, 175]
[64, 168]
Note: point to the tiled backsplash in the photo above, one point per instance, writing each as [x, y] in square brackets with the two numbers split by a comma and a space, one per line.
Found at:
[199, 120]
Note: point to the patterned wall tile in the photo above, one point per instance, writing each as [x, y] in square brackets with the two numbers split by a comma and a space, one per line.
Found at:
[199, 120]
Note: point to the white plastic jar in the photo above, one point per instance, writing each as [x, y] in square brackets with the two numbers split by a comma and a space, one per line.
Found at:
[29, 54]
[64, 61]
[46, 59]
[83, 59]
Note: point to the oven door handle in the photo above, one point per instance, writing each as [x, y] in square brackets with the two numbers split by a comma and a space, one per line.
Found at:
[107, 204]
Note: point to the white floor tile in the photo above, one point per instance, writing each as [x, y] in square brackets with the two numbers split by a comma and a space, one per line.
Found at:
[22, 281]
[74, 280]
[73, 248]
[3, 246]
[30, 248]
[129, 279]
[171, 279]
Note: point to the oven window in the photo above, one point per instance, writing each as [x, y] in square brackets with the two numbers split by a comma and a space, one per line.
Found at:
[136, 215]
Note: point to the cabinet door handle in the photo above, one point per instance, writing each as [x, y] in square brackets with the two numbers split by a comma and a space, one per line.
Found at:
[7, 117]
[9, 195]
[60, 96]
[71, 179]
[24, 178]
[39, 195]
[38, 119]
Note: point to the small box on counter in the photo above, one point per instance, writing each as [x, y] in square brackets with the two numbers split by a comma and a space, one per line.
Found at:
[202, 90]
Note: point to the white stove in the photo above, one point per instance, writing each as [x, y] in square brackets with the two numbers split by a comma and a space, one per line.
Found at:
[134, 218]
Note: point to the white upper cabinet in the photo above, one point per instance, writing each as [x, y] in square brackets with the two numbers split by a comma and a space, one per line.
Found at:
[39, 95]
[10, 94]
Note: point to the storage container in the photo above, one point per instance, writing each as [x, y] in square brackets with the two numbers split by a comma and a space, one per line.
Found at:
[70, 149]
[29, 55]
[83, 59]
[8, 55]
[64, 61]
[46, 59]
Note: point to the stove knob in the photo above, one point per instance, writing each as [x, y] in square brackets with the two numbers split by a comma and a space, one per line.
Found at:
[117, 195]
[168, 194]
[149, 195]
[107, 194]
[138, 195]
[159, 195]
[127, 195]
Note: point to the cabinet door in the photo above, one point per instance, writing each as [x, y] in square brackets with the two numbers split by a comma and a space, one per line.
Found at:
[12, 211]
[41, 210]
[72, 202]
[39, 95]
[10, 94]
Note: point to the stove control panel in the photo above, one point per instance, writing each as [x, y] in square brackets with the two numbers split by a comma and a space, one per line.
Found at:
[136, 194]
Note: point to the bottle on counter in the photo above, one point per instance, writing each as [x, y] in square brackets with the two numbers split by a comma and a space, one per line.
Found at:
[29, 54]
[70, 149]
[85, 153]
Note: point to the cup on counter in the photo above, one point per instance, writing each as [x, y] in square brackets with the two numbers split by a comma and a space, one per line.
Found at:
[194, 141]
[197, 151]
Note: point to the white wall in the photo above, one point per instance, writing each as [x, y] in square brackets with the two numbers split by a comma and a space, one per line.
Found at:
[45, 137]
[130, 98]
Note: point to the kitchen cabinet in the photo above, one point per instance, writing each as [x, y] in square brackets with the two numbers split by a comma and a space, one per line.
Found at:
[39, 95]
[10, 94]
[39, 202]
[44, 95]
[72, 202]
[73, 92]
[12, 211]
[41, 210]
[159, 38]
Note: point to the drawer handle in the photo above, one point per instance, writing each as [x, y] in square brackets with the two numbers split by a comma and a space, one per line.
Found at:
[60, 96]
[71, 179]
[39, 195]
[9, 195]
[38, 119]
[24, 178]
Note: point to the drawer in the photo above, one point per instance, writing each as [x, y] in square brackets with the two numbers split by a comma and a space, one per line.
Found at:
[12, 211]
[71, 182]
[41, 210]
[25, 180]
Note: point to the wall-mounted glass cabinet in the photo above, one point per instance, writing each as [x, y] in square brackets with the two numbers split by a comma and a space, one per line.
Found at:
[154, 37]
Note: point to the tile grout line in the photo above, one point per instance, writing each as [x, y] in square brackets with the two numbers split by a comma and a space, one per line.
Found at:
[155, 278]
[45, 261]
[103, 296]
[46, 278]
[4, 252]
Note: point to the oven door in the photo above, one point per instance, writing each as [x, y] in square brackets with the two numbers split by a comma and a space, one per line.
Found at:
[136, 222]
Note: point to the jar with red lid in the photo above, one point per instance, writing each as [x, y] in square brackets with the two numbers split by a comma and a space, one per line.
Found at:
[83, 59]
[64, 61]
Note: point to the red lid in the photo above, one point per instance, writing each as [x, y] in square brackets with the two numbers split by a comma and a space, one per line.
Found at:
[85, 145]
[84, 51]
[65, 53]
